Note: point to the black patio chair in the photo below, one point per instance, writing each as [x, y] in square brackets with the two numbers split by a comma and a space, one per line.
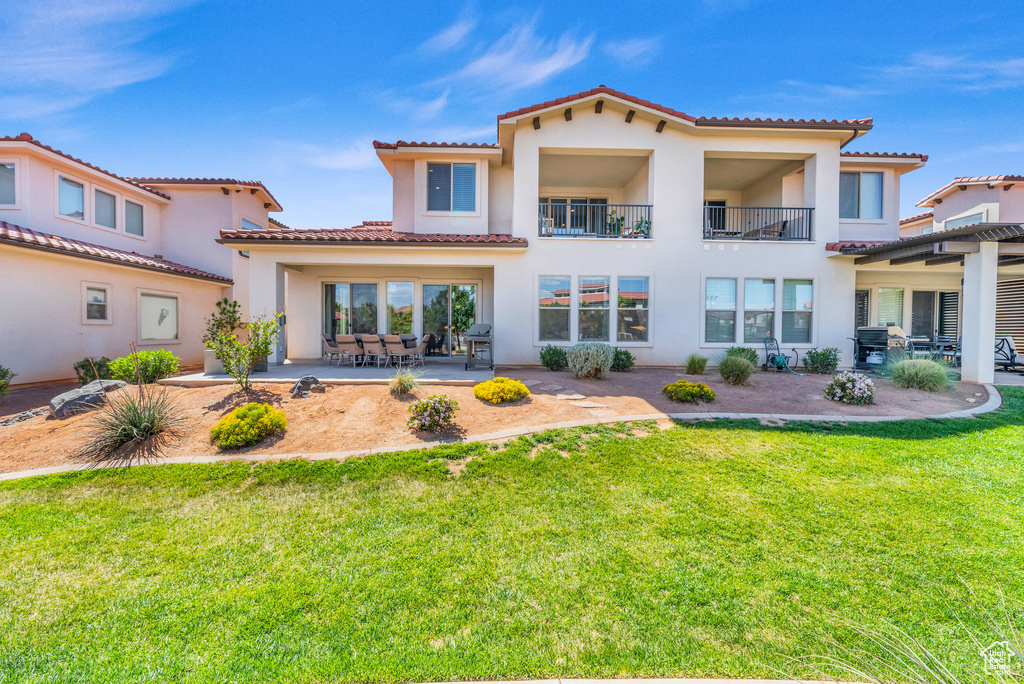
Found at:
[1007, 357]
[773, 356]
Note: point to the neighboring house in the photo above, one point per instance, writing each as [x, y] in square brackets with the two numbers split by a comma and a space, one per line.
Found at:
[918, 224]
[599, 216]
[92, 261]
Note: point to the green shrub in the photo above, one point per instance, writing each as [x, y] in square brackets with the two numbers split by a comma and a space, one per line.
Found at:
[227, 320]
[851, 388]
[94, 368]
[248, 425]
[922, 374]
[735, 370]
[553, 358]
[622, 360]
[240, 358]
[742, 353]
[405, 381]
[686, 391]
[501, 390]
[130, 418]
[152, 365]
[433, 414]
[695, 364]
[822, 361]
[6, 375]
[590, 359]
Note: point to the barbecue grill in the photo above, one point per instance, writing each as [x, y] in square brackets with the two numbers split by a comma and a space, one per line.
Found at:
[479, 347]
[871, 346]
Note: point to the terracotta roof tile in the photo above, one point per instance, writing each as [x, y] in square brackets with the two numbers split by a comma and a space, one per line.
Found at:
[23, 237]
[917, 217]
[378, 145]
[886, 155]
[208, 181]
[25, 137]
[785, 123]
[968, 180]
[600, 90]
[852, 244]
[367, 233]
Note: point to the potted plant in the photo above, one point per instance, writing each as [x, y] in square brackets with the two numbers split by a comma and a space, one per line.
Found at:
[226, 320]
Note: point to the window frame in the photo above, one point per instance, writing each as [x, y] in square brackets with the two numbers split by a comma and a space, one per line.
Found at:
[118, 213]
[143, 291]
[739, 334]
[427, 211]
[811, 337]
[774, 311]
[860, 197]
[17, 164]
[106, 287]
[650, 321]
[387, 306]
[980, 214]
[737, 281]
[580, 308]
[877, 310]
[86, 199]
[570, 331]
[243, 219]
[124, 220]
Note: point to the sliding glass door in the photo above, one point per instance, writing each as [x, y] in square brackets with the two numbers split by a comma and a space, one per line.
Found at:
[448, 311]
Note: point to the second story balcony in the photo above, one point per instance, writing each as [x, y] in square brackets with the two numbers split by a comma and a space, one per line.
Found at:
[592, 218]
[757, 223]
[751, 197]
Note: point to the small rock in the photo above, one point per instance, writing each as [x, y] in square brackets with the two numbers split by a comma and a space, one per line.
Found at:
[550, 388]
[971, 400]
[978, 394]
[531, 383]
[85, 398]
[588, 404]
[305, 385]
[569, 396]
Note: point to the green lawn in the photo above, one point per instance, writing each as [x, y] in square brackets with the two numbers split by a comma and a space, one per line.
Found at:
[709, 549]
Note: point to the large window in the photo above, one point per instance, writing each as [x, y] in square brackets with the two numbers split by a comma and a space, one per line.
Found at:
[8, 193]
[71, 200]
[158, 317]
[963, 221]
[451, 187]
[797, 307]
[890, 306]
[350, 308]
[400, 308]
[758, 309]
[105, 209]
[133, 215]
[555, 303]
[594, 296]
[860, 195]
[720, 310]
[633, 307]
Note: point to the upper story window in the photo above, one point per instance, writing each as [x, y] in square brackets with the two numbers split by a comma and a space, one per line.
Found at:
[860, 195]
[451, 187]
[71, 200]
[963, 221]
[8, 189]
[249, 225]
[105, 209]
[133, 218]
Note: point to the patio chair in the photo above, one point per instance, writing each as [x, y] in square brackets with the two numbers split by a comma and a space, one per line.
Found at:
[373, 350]
[396, 351]
[350, 350]
[418, 354]
[952, 352]
[773, 356]
[330, 349]
[1007, 357]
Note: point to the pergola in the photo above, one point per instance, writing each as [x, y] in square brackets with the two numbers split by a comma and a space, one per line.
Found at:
[981, 248]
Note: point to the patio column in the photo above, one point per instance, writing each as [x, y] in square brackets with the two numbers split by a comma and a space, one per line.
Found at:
[266, 295]
[979, 316]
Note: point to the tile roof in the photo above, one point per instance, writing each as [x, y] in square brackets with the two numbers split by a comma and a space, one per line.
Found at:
[917, 217]
[885, 155]
[26, 137]
[378, 145]
[699, 121]
[968, 180]
[208, 181]
[852, 244]
[274, 222]
[23, 237]
[376, 232]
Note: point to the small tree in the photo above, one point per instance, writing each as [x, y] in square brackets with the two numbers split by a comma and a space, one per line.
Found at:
[228, 319]
[241, 358]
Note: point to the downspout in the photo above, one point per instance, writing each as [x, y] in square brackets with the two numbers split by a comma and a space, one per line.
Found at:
[856, 132]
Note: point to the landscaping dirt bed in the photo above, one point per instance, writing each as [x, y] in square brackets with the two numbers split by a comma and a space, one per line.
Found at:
[353, 417]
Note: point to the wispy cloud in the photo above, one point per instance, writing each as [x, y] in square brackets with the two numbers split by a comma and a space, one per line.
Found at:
[350, 156]
[59, 55]
[960, 71]
[633, 52]
[522, 58]
[450, 38]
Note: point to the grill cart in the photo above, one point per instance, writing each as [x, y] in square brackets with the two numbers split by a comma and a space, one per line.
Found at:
[479, 347]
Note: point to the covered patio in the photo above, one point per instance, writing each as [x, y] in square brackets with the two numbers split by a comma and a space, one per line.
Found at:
[969, 261]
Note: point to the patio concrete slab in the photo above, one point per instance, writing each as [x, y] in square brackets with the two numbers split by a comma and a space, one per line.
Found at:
[434, 372]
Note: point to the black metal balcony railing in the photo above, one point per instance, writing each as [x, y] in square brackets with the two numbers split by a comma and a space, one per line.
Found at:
[757, 223]
[594, 220]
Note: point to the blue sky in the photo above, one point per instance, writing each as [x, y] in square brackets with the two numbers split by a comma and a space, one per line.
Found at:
[293, 93]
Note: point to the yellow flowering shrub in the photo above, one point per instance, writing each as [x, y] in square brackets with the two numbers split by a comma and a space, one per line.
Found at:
[501, 390]
[248, 425]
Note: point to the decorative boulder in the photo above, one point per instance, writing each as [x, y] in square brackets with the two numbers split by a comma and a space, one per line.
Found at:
[85, 398]
[305, 385]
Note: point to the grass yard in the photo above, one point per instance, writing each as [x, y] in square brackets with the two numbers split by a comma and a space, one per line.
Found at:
[712, 549]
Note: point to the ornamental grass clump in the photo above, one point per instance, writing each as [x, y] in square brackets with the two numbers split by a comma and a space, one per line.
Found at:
[404, 381]
[501, 390]
[851, 388]
[695, 364]
[590, 359]
[433, 414]
[248, 425]
[922, 374]
[742, 353]
[736, 370]
[128, 419]
[688, 392]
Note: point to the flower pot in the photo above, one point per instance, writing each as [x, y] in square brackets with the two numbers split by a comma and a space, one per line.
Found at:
[211, 366]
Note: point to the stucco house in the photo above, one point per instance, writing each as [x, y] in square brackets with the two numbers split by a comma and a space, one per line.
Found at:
[91, 261]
